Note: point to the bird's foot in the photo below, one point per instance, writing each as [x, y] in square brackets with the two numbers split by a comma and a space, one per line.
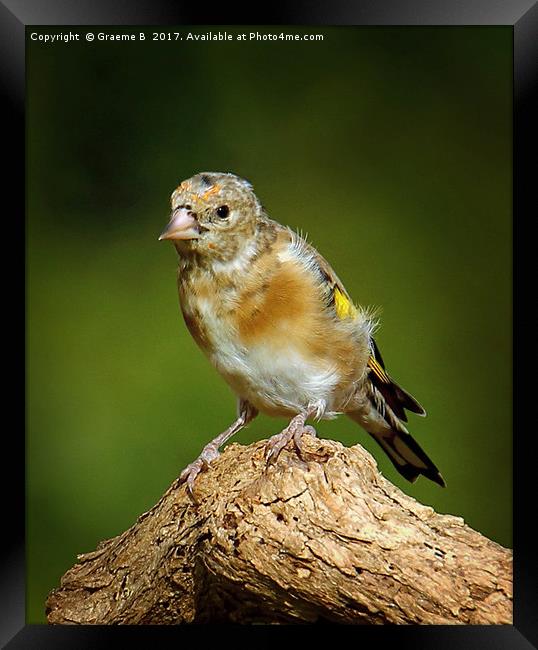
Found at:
[294, 431]
[209, 453]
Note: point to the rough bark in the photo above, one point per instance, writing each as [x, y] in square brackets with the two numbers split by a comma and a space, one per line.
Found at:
[326, 538]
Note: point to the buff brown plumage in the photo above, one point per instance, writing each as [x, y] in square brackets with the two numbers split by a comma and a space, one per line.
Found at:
[278, 325]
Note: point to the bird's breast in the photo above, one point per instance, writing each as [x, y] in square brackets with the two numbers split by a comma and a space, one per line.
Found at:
[272, 341]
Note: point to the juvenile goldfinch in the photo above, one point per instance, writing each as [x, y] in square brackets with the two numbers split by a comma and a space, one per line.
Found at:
[278, 325]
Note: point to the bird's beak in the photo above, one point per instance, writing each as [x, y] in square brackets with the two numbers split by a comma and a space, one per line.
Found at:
[182, 225]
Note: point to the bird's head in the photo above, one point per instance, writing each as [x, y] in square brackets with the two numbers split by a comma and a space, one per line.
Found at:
[213, 215]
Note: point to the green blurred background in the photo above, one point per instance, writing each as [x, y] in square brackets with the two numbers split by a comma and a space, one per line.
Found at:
[390, 147]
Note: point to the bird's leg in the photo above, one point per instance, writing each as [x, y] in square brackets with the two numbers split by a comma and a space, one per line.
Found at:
[294, 431]
[211, 451]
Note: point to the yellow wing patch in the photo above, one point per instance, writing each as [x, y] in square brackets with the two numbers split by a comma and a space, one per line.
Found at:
[378, 370]
[343, 305]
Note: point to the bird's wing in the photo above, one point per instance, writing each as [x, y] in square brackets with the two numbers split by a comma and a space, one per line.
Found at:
[338, 299]
[336, 296]
[396, 397]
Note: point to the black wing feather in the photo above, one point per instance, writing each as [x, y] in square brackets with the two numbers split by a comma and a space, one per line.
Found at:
[396, 397]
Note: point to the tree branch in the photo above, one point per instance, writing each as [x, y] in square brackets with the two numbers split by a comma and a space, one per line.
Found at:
[322, 539]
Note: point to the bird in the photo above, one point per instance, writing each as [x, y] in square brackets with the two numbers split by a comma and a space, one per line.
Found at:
[278, 325]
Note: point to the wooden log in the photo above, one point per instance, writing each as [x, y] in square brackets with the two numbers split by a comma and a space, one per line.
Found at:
[323, 538]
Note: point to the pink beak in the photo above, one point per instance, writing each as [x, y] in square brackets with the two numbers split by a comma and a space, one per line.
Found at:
[182, 225]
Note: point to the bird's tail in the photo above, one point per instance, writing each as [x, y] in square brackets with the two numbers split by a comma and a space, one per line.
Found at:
[405, 453]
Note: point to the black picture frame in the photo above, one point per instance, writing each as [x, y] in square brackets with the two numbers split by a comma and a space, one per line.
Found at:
[15, 16]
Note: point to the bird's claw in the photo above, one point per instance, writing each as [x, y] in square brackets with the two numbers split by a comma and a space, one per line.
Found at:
[190, 473]
[276, 443]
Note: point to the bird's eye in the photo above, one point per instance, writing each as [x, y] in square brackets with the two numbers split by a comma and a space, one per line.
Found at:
[223, 211]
